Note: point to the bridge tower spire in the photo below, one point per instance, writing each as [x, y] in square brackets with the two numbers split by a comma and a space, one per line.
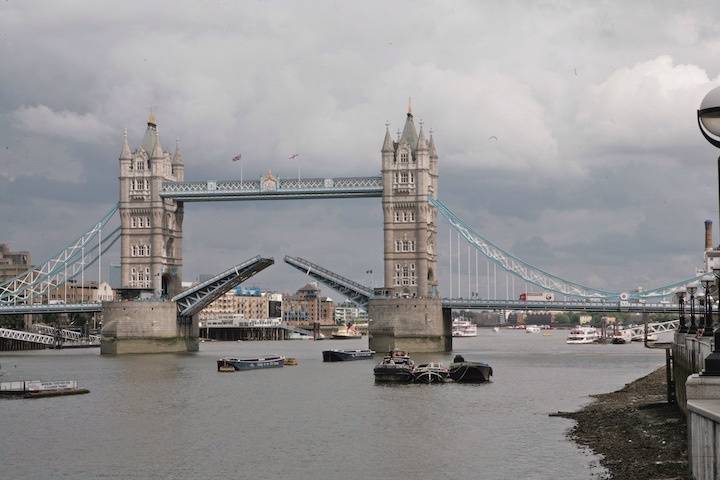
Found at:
[151, 227]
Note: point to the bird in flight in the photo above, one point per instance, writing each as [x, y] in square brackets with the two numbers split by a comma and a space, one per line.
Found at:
[293, 156]
[237, 157]
[492, 137]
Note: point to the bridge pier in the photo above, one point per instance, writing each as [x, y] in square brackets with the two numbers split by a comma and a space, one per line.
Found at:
[410, 324]
[146, 327]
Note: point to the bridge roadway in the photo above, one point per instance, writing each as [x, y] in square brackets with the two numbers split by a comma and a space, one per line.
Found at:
[271, 188]
[558, 306]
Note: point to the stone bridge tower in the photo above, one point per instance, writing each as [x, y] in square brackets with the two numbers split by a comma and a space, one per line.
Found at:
[408, 313]
[151, 227]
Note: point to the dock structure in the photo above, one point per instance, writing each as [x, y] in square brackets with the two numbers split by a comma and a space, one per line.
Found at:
[232, 328]
[44, 336]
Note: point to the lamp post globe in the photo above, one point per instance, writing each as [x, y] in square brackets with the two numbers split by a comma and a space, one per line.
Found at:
[709, 116]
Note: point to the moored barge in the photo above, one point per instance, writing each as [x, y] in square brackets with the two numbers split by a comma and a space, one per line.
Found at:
[273, 361]
[346, 355]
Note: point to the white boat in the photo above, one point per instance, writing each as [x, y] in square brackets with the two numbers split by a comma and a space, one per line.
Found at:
[583, 335]
[463, 328]
[496, 329]
[532, 329]
[298, 336]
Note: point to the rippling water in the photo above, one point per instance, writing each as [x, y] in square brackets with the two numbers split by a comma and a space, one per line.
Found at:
[174, 416]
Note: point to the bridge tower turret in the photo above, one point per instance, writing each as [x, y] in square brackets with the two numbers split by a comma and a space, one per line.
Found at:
[151, 227]
[408, 314]
[409, 170]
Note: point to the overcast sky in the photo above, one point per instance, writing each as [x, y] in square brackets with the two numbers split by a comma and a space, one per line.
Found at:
[598, 173]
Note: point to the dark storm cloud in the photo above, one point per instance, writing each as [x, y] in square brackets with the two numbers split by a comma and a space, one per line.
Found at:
[565, 129]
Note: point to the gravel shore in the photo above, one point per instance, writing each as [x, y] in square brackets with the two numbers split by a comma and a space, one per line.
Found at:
[636, 432]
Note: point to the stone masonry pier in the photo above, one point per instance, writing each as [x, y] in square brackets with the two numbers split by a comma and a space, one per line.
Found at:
[145, 327]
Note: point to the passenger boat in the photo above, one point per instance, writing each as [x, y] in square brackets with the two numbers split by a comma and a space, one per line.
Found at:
[347, 332]
[430, 373]
[273, 361]
[346, 355]
[469, 372]
[463, 328]
[396, 367]
[582, 335]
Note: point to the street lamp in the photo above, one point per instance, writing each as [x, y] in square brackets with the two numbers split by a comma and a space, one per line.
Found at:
[680, 294]
[708, 116]
[691, 289]
[707, 279]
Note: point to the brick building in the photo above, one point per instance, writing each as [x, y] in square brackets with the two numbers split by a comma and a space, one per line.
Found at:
[307, 307]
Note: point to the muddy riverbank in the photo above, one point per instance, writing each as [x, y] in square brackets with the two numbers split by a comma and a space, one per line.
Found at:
[638, 434]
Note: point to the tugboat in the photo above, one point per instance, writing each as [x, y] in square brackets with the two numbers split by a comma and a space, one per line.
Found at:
[346, 355]
[396, 367]
[273, 361]
[469, 372]
[430, 373]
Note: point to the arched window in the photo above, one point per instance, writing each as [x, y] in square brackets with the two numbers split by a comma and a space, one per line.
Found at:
[404, 156]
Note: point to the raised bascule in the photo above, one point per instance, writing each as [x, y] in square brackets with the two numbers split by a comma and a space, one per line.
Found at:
[407, 312]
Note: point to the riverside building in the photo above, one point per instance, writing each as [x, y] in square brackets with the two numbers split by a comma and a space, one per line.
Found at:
[248, 303]
[12, 263]
[308, 307]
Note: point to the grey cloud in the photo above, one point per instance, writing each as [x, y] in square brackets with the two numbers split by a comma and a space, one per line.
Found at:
[596, 201]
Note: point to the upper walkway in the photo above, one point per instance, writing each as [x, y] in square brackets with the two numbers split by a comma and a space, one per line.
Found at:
[271, 188]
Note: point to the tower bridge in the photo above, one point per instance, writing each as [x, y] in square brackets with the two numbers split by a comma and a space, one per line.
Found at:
[407, 310]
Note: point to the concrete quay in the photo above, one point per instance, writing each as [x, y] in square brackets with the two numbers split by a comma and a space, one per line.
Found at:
[699, 397]
[145, 327]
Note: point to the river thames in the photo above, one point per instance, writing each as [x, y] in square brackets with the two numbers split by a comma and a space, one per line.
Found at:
[175, 416]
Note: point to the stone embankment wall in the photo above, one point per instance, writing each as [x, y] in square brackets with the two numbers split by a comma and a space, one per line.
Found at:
[689, 354]
[699, 398]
